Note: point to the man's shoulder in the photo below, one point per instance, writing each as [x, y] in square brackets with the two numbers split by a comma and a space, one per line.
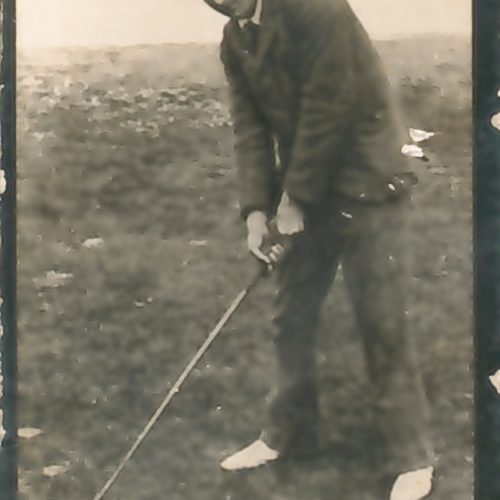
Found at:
[227, 33]
[230, 46]
[313, 6]
[317, 14]
[227, 30]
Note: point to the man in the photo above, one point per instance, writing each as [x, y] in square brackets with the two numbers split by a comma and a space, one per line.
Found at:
[306, 81]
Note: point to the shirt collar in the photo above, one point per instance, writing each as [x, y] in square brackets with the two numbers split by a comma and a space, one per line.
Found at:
[256, 18]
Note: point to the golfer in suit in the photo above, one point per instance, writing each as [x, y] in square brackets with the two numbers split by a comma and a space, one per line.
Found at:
[318, 146]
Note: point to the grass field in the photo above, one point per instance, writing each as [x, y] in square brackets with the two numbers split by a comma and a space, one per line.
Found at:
[130, 248]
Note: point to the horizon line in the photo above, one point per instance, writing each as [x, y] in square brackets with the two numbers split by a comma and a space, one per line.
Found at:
[32, 48]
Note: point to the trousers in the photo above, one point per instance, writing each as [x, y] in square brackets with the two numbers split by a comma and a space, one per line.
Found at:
[370, 242]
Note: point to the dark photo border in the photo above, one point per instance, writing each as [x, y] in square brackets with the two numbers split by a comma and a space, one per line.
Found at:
[486, 73]
[486, 67]
[8, 450]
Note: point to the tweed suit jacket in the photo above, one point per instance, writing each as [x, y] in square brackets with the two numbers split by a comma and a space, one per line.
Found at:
[312, 109]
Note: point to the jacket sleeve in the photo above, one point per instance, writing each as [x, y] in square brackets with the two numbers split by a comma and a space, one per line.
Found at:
[325, 29]
[254, 144]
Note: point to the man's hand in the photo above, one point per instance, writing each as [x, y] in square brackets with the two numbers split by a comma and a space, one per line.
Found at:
[257, 233]
[289, 217]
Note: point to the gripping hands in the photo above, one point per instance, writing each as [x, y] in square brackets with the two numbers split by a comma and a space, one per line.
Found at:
[268, 242]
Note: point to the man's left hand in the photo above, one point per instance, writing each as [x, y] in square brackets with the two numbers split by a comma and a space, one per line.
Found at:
[289, 216]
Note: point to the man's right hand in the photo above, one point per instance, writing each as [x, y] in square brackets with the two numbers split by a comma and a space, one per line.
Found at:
[257, 233]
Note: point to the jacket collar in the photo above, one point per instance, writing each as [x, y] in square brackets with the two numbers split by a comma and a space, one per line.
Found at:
[268, 27]
[256, 18]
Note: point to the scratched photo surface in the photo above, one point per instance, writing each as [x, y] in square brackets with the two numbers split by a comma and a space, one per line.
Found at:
[131, 248]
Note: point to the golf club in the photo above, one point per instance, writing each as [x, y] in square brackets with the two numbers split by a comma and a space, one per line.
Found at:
[263, 270]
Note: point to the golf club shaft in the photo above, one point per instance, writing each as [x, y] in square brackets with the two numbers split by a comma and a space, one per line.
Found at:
[175, 388]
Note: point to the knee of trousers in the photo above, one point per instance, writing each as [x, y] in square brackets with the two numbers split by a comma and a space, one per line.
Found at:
[296, 310]
[294, 323]
[387, 329]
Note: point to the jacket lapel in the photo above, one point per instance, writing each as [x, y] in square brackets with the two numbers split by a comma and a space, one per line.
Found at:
[252, 62]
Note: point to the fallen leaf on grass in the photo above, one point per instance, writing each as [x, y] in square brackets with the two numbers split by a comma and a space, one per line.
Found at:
[414, 485]
[437, 170]
[2, 430]
[495, 121]
[91, 243]
[495, 381]
[3, 182]
[39, 136]
[52, 279]
[55, 470]
[418, 135]
[198, 243]
[412, 151]
[44, 307]
[143, 303]
[28, 432]
[94, 101]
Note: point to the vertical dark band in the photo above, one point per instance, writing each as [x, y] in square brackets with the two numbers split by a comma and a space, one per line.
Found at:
[487, 246]
[8, 453]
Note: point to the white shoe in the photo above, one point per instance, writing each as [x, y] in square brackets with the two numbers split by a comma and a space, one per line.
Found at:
[413, 485]
[254, 455]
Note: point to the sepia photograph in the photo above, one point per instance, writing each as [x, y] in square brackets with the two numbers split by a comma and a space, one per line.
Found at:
[245, 250]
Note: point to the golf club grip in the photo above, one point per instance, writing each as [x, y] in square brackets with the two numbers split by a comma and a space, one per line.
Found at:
[275, 251]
